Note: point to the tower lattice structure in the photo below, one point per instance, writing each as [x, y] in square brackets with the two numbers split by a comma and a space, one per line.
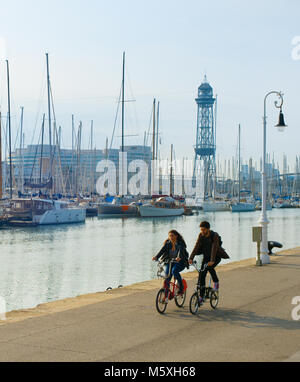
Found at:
[205, 148]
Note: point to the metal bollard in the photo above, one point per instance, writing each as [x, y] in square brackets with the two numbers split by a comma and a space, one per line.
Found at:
[257, 238]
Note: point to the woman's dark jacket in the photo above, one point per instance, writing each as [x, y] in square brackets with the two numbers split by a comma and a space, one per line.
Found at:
[182, 252]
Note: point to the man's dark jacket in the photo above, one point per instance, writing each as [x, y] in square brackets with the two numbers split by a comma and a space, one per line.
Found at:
[216, 250]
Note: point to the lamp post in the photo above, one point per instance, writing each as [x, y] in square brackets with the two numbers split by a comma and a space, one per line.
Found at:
[265, 258]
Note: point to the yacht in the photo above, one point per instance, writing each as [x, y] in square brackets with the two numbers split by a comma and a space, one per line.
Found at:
[120, 207]
[243, 207]
[215, 205]
[162, 207]
[43, 212]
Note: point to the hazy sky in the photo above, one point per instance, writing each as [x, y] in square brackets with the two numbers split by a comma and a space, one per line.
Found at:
[244, 47]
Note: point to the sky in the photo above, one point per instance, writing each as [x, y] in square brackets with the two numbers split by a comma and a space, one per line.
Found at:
[245, 49]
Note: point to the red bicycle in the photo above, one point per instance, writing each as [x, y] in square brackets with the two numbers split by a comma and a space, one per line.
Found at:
[168, 293]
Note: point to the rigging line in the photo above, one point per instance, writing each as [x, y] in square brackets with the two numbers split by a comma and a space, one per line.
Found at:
[36, 150]
[5, 150]
[150, 126]
[64, 155]
[58, 152]
[133, 97]
[55, 132]
[4, 130]
[115, 124]
[18, 132]
[52, 103]
[38, 115]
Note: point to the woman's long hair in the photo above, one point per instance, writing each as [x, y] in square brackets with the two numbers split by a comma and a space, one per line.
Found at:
[180, 239]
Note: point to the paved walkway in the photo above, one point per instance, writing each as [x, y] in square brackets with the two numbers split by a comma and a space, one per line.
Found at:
[252, 323]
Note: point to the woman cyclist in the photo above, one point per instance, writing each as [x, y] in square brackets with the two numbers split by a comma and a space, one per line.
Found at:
[174, 248]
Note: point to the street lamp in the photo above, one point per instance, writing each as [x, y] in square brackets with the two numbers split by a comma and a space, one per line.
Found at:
[265, 258]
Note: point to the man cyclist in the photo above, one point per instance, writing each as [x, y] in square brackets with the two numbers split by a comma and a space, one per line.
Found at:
[208, 244]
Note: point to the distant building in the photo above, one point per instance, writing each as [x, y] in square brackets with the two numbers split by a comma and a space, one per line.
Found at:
[73, 171]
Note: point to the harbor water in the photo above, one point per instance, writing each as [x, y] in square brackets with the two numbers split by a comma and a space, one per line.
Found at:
[49, 263]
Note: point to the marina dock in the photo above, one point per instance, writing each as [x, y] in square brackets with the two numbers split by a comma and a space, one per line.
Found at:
[254, 321]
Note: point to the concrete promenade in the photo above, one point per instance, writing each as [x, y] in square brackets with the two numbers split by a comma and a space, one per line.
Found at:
[253, 322]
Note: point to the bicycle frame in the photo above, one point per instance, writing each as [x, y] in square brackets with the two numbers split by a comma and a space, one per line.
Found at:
[170, 290]
[208, 293]
[209, 288]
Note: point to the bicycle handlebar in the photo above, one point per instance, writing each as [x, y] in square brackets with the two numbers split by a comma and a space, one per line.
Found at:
[171, 261]
[161, 269]
[201, 269]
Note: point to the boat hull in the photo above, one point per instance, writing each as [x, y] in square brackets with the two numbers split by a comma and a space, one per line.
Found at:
[215, 206]
[112, 210]
[243, 207]
[61, 216]
[160, 212]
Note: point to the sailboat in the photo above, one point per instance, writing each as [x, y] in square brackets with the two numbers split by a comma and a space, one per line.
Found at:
[121, 206]
[241, 206]
[164, 206]
[215, 205]
[43, 211]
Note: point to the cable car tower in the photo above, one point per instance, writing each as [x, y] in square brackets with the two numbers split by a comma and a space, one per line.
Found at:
[205, 148]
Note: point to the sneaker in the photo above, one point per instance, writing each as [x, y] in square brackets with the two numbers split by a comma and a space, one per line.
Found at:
[180, 291]
[201, 301]
[216, 286]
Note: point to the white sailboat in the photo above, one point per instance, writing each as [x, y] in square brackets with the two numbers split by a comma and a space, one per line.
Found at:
[120, 207]
[43, 212]
[215, 205]
[243, 207]
[162, 207]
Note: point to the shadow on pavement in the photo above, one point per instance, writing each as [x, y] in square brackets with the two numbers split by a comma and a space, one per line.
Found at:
[242, 318]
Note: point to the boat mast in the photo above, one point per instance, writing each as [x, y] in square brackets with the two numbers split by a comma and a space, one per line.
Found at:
[49, 115]
[41, 164]
[9, 130]
[154, 127]
[21, 167]
[73, 161]
[157, 129]
[78, 172]
[91, 161]
[123, 101]
[171, 172]
[1, 193]
[121, 187]
[239, 163]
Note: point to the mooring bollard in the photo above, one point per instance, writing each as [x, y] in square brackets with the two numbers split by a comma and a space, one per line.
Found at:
[257, 238]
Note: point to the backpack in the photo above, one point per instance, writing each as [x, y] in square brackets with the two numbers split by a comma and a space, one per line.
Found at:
[220, 239]
[221, 252]
[186, 258]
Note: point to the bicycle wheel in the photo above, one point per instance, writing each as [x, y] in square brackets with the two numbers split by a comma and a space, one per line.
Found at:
[194, 303]
[180, 299]
[214, 299]
[161, 306]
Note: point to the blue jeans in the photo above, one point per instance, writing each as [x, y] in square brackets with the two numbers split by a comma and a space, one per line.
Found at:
[175, 271]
